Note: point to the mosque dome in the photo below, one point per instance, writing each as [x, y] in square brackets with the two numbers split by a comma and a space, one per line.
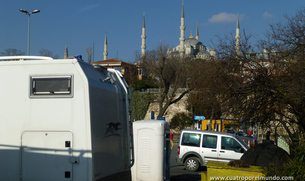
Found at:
[192, 41]
[196, 44]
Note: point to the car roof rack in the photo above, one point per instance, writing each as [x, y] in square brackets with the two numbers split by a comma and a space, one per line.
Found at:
[25, 58]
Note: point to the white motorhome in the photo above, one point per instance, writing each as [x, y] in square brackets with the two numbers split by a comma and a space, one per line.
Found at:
[63, 120]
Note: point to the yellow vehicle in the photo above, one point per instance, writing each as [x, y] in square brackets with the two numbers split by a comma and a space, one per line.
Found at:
[221, 125]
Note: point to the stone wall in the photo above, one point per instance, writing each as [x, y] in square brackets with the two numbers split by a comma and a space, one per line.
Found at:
[170, 112]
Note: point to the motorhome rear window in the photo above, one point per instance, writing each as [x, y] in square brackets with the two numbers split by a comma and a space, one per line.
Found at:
[55, 85]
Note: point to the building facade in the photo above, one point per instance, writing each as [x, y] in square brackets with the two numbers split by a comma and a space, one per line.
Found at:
[128, 70]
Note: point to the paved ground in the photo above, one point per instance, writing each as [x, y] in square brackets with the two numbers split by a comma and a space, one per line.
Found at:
[178, 172]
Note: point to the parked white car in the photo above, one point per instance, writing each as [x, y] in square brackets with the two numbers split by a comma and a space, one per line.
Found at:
[197, 147]
[247, 139]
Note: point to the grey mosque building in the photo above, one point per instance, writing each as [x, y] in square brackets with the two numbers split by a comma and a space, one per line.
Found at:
[190, 47]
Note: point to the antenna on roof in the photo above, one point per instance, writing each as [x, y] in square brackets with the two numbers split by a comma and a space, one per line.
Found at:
[93, 53]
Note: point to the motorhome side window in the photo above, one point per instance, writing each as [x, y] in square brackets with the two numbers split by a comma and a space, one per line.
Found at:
[191, 139]
[209, 141]
[51, 86]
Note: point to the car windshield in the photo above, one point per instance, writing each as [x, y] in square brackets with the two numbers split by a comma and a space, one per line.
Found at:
[240, 133]
[241, 142]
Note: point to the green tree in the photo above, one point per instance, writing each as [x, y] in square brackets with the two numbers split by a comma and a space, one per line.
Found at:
[181, 121]
[140, 103]
[144, 84]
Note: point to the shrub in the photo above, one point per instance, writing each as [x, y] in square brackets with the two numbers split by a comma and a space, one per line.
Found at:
[180, 121]
[140, 104]
[144, 84]
[294, 167]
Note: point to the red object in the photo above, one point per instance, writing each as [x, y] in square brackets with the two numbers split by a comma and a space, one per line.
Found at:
[178, 150]
[172, 135]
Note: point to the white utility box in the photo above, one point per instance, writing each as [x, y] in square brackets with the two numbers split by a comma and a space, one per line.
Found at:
[152, 150]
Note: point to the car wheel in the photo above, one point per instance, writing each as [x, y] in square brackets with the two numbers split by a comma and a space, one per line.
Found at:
[191, 164]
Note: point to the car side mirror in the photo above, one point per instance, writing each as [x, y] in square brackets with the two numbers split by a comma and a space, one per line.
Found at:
[241, 150]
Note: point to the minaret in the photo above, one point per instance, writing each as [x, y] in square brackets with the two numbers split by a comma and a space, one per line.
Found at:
[66, 55]
[105, 47]
[160, 49]
[237, 37]
[143, 47]
[197, 32]
[182, 28]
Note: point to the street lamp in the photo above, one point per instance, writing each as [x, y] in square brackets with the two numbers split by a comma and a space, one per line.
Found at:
[29, 13]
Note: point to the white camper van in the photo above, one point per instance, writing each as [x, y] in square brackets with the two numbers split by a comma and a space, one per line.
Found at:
[63, 120]
[197, 147]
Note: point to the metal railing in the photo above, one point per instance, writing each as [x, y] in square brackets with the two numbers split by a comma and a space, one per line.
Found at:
[158, 90]
[18, 58]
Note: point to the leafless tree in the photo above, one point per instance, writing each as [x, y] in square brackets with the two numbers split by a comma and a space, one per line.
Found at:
[207, 87]
[47, 53]
[288, 39]
[12, 52]
[215, 81]
[266, 87]
[170, 72]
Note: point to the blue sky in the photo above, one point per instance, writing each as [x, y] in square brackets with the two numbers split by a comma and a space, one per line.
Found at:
[80, 24]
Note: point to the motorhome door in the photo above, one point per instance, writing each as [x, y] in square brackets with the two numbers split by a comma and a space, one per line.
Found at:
[46, 155]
